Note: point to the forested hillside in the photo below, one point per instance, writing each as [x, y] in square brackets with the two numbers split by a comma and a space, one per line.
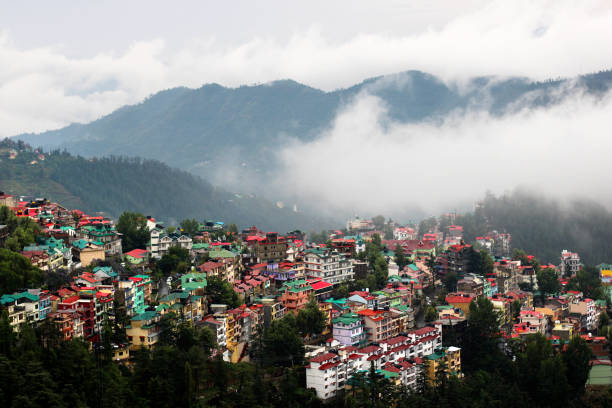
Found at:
[117, 184]
[544, 226]
[233, 134]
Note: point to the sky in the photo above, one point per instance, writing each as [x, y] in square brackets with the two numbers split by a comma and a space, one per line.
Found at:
[66, 61]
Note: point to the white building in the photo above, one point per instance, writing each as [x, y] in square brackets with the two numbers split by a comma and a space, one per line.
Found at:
[329, 372]
[570, 263]
[161, 242]
[404, 233]
[328, 265]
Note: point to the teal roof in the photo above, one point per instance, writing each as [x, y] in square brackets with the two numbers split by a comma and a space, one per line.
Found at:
[17, 296]
[145, 316]
[413, 267]
[341, 301]
[174, 295]
[106, 269]
[347, 319]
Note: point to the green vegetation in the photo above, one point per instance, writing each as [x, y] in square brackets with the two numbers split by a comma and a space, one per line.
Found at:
[221, 292]
[543, 226]
[22, 231]
[311, 320]
[17, 272]
[114, 184]
[135, 232]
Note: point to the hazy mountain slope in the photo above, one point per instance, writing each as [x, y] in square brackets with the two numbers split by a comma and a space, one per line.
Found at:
[114, 185]
[231, 135]
[544, 227]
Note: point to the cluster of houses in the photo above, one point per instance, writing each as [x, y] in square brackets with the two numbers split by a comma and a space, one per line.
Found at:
[275, 274]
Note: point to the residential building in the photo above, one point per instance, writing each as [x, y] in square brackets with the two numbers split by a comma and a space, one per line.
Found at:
[162, 241]
[295, 294]
[328, 265]
[570, 263]
[443, 358]
[348, 329]
[143, 330]
[460, 300]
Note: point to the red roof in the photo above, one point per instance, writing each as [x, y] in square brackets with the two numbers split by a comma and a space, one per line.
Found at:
[459, 298]
[320, 285]
[327, 366]
[369, 349]
[396, 340]
[323, 357]
[137, 253]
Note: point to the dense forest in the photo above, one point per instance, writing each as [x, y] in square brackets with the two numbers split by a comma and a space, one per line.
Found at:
[544, 226]
[116, 184]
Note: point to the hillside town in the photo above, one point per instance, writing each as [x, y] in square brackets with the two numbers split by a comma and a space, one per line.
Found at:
[377, 296]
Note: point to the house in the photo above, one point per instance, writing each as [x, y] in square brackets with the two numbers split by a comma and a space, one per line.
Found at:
[218, 328]
[143, 330]
[136, 256]
[533, 321]
[88, 252]
[404, 233]
[22, 307]
[460, 300]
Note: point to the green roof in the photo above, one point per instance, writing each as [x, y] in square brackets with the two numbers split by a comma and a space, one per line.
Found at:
[600, 375]
[194, 285]
[341, 301]
[436, 355]
[221, 253]
[347, 319]
[389, 374]
[174, 295]
[145, 316]
[413, 267]
[161, 307]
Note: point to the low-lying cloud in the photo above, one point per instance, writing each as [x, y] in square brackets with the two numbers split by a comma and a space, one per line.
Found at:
[43, 88]
[368, 164]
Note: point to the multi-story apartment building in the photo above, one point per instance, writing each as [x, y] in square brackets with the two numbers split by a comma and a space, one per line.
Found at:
[585, 308]
[328, 373]
[348, 329]
[22, 307]
[570, 263]
[328, 265]
[161, 242]
[295, 294]
[531, 321]
[380, 325]
[104, 234]
[447, 358]
[272, 248]
[143, 330]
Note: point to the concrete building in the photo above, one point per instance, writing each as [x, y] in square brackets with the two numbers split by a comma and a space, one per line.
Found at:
[328, 265]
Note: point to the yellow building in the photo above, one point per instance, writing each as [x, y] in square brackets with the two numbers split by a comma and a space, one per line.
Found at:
[448, 356]
[143, 330]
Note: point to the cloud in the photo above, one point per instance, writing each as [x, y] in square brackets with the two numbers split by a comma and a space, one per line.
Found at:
[369, 164]
[43, 88]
